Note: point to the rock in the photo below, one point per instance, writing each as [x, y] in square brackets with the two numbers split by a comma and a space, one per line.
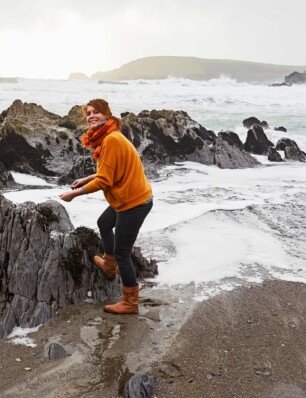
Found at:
[39, 142]
[139, 386]
[163, 137]
[45, 264]
[32, 141]
[291, 149]
[75, 120]
[273, 155]
[265, 125]
[229, 152]
[257, 141]
[296, 78]
[248, 123]
[281, 84]
[143, 267]
[82, 166]
[281, 128]
[216, 373]
[56, 351]
[6, 178]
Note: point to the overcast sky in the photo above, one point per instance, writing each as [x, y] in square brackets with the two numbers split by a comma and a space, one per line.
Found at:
[51, 38]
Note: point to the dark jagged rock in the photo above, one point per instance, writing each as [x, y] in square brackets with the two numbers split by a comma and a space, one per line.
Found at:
[257, 142]
[296, 78]
[291, 149]
[144, 268]
[248, 123]
[82, 166]
[56, 351]
[140, 386]
[6, 178]
[281, 128]
[273, 155]
[163, 137]
[229, 152]
[45, 264]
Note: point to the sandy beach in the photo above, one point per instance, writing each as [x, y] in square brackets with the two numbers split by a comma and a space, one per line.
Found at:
[247, 343]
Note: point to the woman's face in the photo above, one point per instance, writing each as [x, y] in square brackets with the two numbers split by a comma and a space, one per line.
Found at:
[94, 118]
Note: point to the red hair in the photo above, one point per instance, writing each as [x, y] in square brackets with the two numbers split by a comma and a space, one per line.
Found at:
[102, 106]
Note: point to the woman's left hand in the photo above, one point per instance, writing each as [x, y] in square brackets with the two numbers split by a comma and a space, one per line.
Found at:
[67, 196]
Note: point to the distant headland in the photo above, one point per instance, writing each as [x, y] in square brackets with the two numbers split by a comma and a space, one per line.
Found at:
[193, 68]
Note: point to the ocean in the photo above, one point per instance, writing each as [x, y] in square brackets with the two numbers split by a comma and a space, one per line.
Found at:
[215, 229]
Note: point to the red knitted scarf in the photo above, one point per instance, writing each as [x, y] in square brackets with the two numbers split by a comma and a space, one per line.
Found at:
[94, 138]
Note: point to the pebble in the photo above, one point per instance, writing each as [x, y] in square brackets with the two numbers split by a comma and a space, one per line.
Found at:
[209, 377]
[260, 373]
[18, 359]
[27, 369]
[216, 373]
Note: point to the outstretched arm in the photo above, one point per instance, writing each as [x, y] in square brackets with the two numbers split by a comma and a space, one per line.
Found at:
[68, 196]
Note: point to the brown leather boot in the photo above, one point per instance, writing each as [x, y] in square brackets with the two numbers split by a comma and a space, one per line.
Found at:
[128, 304]
[107, 264]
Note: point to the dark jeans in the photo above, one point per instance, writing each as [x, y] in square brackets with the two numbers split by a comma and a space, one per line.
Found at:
[127, 224]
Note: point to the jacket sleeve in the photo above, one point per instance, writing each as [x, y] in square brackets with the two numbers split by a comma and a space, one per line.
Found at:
[105, 176]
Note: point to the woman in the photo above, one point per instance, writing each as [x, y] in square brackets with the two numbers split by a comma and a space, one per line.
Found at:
[121, 177]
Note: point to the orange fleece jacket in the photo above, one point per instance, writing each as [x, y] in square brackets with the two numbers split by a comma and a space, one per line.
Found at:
[120, 174]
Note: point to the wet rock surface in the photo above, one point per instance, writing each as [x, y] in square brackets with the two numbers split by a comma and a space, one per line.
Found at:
[230, 153]
[291, 149]
[45, 264]
[257, 142]
[273, 155]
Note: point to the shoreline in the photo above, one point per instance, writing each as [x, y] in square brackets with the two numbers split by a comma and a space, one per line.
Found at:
[175, 339]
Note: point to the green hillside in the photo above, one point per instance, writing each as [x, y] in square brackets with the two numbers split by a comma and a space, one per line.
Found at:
[198, 69]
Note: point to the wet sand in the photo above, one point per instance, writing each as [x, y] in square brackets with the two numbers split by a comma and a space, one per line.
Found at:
[248, 343]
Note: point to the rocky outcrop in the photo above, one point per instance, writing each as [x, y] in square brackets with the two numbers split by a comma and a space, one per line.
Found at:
[163, 137]
[230, 153]
[38, 142]
[291, 150]
[273, 155]
[45, 264]
[296, 78]
[257, 142]
[32, 141]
